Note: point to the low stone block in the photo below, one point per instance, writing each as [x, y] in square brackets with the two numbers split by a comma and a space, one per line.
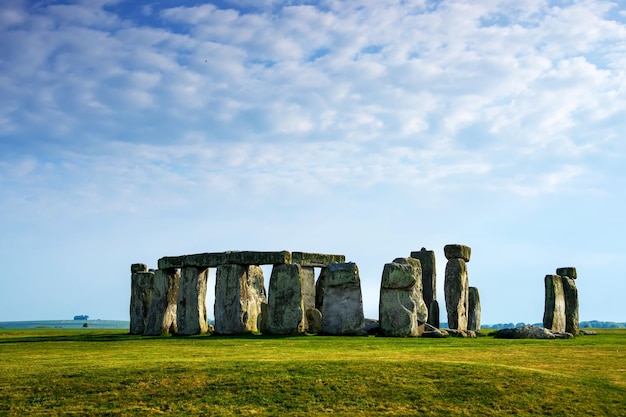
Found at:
[457, 252]
[314, 321]
[319, 260]
[434, 314]
[568, 271]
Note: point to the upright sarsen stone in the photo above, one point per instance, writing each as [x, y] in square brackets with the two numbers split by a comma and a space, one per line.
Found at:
[239, 294]
[473, 316]
[554, 310]
[162, 313]
[286, 306]
[402, 311]
[342, 304]
[429, 275]
[191, 313]
[141, 288]
[456, 289]
[570, 294]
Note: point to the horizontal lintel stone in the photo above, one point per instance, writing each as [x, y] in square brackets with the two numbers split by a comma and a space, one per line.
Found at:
[316, 259]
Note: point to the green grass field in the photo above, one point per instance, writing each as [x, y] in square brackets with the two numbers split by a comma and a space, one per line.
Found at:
[106, 372]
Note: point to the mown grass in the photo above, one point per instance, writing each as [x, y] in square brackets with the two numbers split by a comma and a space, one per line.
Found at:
[95, 372]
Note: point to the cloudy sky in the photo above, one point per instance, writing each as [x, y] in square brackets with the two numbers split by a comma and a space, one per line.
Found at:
[132, 130]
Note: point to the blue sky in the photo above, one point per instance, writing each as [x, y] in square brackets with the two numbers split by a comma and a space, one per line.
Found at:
[134, 130]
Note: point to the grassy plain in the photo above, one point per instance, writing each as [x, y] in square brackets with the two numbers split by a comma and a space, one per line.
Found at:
[56, 372]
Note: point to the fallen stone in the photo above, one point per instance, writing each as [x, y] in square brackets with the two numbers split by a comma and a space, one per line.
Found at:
[239, 293]
[456, 290]
[473, 315]
[342, 305]
[435, 334]
[402, 311]
[524, 332]
[319, 260]
[141, 290]
[461, 333]
[554, 310]
[162, 314]
[429, 274]
[586, 332]
[457, 252]
[191, 313]
[567, 271]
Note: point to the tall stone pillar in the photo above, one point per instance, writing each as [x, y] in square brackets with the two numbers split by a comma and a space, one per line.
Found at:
[433, 314]
[191, 314]
[570, 294]
[162, 313]
[286, 302]
[456, 285]
[239, 294]
[473, 317]
[402, 311]
[554, 310]
[342, 304]
[141, 284]
[429, 283]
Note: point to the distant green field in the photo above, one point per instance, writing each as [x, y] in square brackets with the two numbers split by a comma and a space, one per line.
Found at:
[56, 372]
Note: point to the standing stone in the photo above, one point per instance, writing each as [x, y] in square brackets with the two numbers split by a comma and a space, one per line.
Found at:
[342, 304]
[402, 311]
[191, 313]
[456, 289]
[307, 283]
[570, 293]
[162, 314]
[314, 320]
[286, 311]
[473, 316]
[554, 311]
[429, 275]
[239, 293]
[433, 314]
[141, 284]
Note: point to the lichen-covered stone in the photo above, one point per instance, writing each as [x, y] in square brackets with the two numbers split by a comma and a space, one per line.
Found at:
[191, 313]
[342, 305]
[457, 252]
[141, 289]
[567, 271]
[314, 321]
[162, 314]
[286, 312]
[239, 294]
[138, 268]
[402, 311]
[524, 332]
[319, 260]
[429, 274]
[570, 294]
[456, 289]
[554, 310]
[473, 316]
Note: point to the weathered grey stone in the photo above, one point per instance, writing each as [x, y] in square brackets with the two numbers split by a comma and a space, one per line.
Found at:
[259, 258]
[434, 314]
[314, 321]
[429, 274]
[402, 311]
[286, 312]
[570, 294]
[586, 332]
[473, 315]
[191, 313]
[138, 268]
[171, 262]
[141, 289]
[315, 259]
[206, 260]
[307, 283]
[456, 291]
[162, 314]
[524, 332]
[457, 252]
[239, 293]
[342, 306]
[435, 334]
[554, 310]
[567, 271]
[371, 326]
[461, 333]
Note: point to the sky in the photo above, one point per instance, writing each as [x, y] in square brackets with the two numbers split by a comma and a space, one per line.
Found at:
[133, 130]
